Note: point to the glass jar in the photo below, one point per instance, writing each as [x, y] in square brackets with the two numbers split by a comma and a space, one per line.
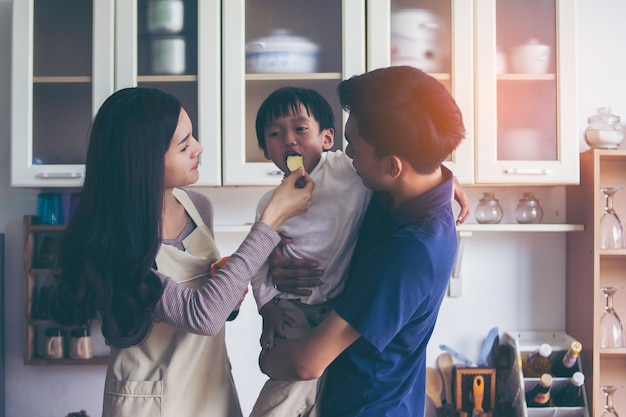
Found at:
[165, 16]
[528, 210]
[488, 209]
[604, 130]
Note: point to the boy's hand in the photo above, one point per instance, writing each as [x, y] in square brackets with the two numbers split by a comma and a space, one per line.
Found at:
[463, 200]
[274, 322]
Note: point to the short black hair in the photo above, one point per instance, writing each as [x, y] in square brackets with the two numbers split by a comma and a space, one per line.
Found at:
[286, 101]
[403, 111]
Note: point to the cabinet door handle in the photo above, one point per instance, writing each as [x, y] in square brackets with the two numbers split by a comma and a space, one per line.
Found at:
[276, 173]
[527, 171]
[55, 175]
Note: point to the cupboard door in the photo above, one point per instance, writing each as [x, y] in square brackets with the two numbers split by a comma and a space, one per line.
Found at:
[174, 45]
[435, 36]
[330, 31]
[525, 92]
[62, 72]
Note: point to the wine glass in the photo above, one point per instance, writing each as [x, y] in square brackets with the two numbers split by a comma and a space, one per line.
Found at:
[611, 329]
[609, 410]
[611, 231]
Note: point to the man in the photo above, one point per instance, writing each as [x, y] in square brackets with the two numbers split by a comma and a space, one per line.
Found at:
[402, 125]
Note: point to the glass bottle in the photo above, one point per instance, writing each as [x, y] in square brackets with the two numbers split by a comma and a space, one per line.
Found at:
[566, 367]
[570, 394]
[488, 209]
[539, 395]
[528, 210]
[538, 362]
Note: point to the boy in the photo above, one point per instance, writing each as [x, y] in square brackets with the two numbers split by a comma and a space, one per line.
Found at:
[402, 125]
[298, 121]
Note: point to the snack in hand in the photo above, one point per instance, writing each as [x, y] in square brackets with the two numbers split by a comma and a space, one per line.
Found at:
[294, 162]
[217, 265]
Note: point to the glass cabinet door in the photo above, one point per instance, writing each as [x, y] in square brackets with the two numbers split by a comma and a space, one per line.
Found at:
[275, 43]
[62, 72]
[436, 37]
[173, 45]
[525, 92]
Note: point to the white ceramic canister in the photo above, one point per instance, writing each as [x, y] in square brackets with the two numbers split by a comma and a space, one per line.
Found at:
[168, 55]
[530, 58]
[165, 16]
[415, 38]
[281, 52]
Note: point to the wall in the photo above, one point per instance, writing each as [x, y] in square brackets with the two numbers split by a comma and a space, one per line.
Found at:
[513, 281]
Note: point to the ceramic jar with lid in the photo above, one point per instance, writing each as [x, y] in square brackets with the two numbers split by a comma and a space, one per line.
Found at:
[281, 52]
[165, 16]
[488, 209]
[604, 130]
[528, 210]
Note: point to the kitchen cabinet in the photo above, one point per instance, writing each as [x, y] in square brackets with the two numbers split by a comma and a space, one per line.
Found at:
[63, 71]
[70, 55]
[337, 28]
[520, 119]
[40, 261]
[589, 268]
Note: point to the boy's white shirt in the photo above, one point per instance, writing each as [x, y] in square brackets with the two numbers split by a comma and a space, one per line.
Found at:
[326, 233]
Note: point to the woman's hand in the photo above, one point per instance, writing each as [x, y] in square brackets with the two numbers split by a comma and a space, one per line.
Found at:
[290, 198]
[459, 195]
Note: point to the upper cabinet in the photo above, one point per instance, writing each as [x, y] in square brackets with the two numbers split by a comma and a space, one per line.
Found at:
[275, 43]
[62, 72]
[70, 55]
[511, 68]
[220, 58]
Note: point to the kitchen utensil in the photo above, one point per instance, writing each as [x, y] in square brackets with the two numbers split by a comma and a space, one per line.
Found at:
[488, 209]
[528, 210]
[478, 392]
[530, 58]
[604, 130]
[487, 346]
[456, 354]
[434, 386]
[611, 230]
[611, 329]
[281, 52]
[445, 364]
[609, 390]
[415, 40]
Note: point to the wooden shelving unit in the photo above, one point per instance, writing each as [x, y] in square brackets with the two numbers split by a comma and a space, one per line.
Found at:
[589, 268]
[37, 273]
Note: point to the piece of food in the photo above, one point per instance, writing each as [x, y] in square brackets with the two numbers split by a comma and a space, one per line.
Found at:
[217, 265]
[294, 162]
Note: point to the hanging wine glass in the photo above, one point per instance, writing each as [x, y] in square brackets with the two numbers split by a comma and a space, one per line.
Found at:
[611, 231]
[611, 329]
[609, 410]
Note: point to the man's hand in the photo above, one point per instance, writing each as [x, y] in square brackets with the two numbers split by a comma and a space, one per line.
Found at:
[291, 275]
[459, 195]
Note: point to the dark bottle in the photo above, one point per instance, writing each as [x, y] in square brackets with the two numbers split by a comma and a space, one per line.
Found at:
[538, 362]
[539, 395]
[567, 366]
[571, 393]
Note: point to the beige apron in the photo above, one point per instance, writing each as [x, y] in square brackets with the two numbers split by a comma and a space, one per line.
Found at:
[173, 372]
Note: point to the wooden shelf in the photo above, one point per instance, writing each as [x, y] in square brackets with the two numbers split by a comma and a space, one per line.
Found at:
[33, 326]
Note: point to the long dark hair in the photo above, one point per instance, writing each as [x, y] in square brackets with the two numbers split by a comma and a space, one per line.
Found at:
[110, 245]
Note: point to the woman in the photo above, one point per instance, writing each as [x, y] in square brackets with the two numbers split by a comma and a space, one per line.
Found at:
[138, 251]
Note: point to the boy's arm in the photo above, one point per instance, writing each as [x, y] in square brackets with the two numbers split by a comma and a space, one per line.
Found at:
[308, 357]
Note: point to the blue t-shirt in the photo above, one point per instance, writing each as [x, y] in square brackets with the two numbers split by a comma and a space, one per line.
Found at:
[398, 278]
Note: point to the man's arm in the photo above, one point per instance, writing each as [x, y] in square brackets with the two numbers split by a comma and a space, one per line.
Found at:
[308, 357]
